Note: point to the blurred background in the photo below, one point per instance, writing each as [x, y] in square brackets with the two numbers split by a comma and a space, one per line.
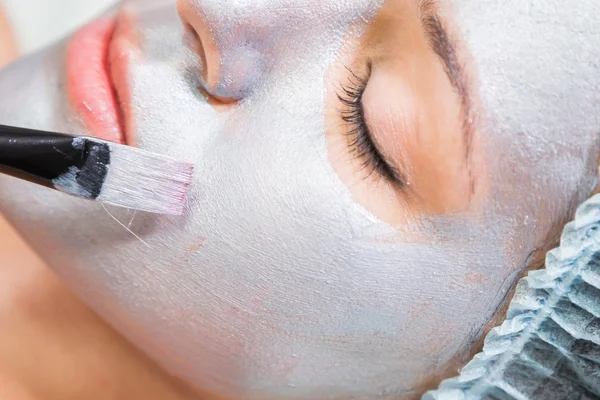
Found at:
[40, 22]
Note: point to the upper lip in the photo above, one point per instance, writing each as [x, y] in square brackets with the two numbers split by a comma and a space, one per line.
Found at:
[120, 50]
[97, 61]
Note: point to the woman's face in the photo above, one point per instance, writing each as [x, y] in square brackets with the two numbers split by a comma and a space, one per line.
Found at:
[371, 178]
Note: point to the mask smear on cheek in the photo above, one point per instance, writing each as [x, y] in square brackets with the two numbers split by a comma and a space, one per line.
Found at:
[312, 278]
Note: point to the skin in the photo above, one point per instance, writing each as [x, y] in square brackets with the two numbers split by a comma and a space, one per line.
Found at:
[45, 326]
[275, 287]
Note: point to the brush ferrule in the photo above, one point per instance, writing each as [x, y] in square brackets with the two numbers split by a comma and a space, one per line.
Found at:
[54, 160]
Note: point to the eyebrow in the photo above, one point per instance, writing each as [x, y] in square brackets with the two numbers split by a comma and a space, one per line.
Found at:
[441, 44]
[444, 48]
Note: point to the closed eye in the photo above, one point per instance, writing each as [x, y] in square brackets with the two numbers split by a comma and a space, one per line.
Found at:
[360, 140]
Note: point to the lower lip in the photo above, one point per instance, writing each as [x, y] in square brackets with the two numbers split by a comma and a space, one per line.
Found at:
[89, 82]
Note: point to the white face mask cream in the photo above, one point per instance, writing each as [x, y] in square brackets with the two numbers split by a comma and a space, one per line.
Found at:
[276, 283]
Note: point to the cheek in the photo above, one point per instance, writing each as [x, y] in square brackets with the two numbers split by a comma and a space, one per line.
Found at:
[275, 274]
[236, 304]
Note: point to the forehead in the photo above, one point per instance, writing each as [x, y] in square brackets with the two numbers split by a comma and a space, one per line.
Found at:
[534, 60]
[294, 6]
[306, 12]
[535, 75]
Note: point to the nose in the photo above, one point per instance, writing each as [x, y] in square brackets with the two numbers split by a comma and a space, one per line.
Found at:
[234, 43]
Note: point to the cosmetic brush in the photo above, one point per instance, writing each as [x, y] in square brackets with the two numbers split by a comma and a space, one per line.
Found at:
[97, 170]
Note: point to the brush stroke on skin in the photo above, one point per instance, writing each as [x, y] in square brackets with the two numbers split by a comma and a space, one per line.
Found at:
[348, 249]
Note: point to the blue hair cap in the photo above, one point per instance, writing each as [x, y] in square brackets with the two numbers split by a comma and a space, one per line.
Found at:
[548, 348]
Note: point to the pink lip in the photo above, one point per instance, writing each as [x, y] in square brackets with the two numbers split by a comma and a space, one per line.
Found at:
[98, 57]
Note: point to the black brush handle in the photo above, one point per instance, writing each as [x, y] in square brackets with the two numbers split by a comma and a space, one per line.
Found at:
[38, 156]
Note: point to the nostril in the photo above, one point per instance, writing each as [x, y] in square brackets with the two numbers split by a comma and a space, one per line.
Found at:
[195, 44]
[231, 52]
[219, 103]
[201, 41]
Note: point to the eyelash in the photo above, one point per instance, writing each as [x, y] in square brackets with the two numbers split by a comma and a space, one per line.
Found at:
[360, 139]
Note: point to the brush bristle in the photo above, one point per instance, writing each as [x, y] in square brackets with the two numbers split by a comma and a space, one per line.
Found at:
[145, 181]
